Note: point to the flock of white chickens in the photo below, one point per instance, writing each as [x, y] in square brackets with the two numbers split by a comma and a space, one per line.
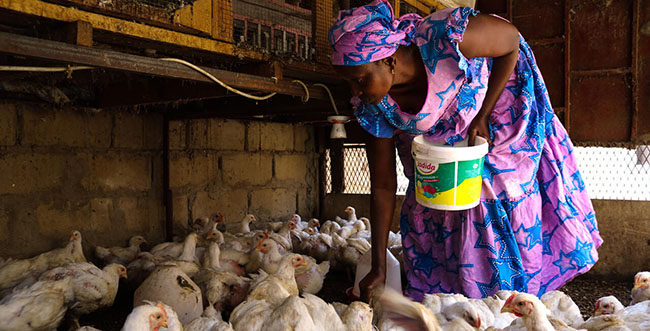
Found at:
[267, 278]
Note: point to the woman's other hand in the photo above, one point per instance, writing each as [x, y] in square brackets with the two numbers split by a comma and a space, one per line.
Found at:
[374, 280]
[478, 127]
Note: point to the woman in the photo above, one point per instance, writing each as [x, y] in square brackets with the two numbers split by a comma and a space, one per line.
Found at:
[453, 75]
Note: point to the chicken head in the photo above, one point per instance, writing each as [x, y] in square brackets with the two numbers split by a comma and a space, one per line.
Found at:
[519, 304]
[608, 305]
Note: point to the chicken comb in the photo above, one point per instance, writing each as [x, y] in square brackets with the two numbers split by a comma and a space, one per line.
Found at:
[597, 304]
[509, 300]
[259, 244]
[266, 235]
[163, 310]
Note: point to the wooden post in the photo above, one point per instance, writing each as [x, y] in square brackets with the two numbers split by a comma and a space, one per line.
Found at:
[222, 20]
[79, 33]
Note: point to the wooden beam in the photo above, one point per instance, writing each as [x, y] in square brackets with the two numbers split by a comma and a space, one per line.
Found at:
[80, 33]
[115, 25]
[44, 49]
[222, 20]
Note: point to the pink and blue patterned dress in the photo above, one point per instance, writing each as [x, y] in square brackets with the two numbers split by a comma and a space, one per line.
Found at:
[535, 228]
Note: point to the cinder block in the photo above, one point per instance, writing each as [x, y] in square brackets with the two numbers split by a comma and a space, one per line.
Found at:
[226, 134]
[7, 124]
[181, 211]
[29, 173]
[57, 219]
[177, 135]
[115, 171]
[99, 214]
[276, 204]
[192, 169]
[128, 131]
[306, 203]
[71, 127]
[153, 135]
[291, 167]
[199, 132]
[232, 203]
[247, 169]
[141, 215]
[301, 137]
[276, 137]
[253, 136]
[5, 235]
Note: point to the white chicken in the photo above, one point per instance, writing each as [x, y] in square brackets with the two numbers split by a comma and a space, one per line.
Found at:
[146, 318]
[41, 306]
[210, 320]
[242, 227]
[533, 313]
[291, 314]
[351, 216]
[13, 272]
[329, 227]
[406, 313]
[251, 315]
[310, 276]
[323, 314]
[562, 307]
[121, 255]
[174, 249]
[276, 287]
[317, 246]
[271, 255]
[608, 305]
[641, 290]
[93, 288]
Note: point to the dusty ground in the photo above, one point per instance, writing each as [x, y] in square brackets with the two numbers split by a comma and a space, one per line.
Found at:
[584, 292]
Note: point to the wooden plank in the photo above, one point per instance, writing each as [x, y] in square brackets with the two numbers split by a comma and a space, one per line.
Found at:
[115, 25]
[417, 4]
[44, 49]
[80, 33]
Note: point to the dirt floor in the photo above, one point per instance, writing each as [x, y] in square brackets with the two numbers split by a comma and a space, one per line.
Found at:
[583, 290]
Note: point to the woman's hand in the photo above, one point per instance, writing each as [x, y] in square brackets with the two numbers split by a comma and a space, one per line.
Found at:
[374, 280]
[478, 127]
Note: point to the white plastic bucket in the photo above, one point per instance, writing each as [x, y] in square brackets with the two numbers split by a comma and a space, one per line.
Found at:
[448, 177]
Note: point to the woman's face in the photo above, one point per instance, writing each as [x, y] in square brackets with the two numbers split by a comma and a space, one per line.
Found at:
[370, 81]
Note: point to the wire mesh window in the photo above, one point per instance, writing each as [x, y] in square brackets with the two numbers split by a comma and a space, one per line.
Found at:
[356, 174]
[612, 173]
[238, 30]
[265, 37]
[615, 173]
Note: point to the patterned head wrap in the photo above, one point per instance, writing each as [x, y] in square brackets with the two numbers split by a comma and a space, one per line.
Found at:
[370, 33]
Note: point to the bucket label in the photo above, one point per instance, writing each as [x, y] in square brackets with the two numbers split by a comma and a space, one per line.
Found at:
[427, 168]
[443, 186]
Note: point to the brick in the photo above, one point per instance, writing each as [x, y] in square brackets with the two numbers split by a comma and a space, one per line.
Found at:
[291, 167]
[28, 173]
[232, 203]
[247, 169]
[301, 137]
[277, 204]
[253, 136]
[7, 124]
[177, 134]
[71, 127]
[199, 131]
[153, 133]
[194, 169]
[276, 136]
[226, 134]
[128, 131]
[114, 171]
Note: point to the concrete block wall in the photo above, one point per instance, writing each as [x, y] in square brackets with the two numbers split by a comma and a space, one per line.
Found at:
[238, 167]
[99, 172]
